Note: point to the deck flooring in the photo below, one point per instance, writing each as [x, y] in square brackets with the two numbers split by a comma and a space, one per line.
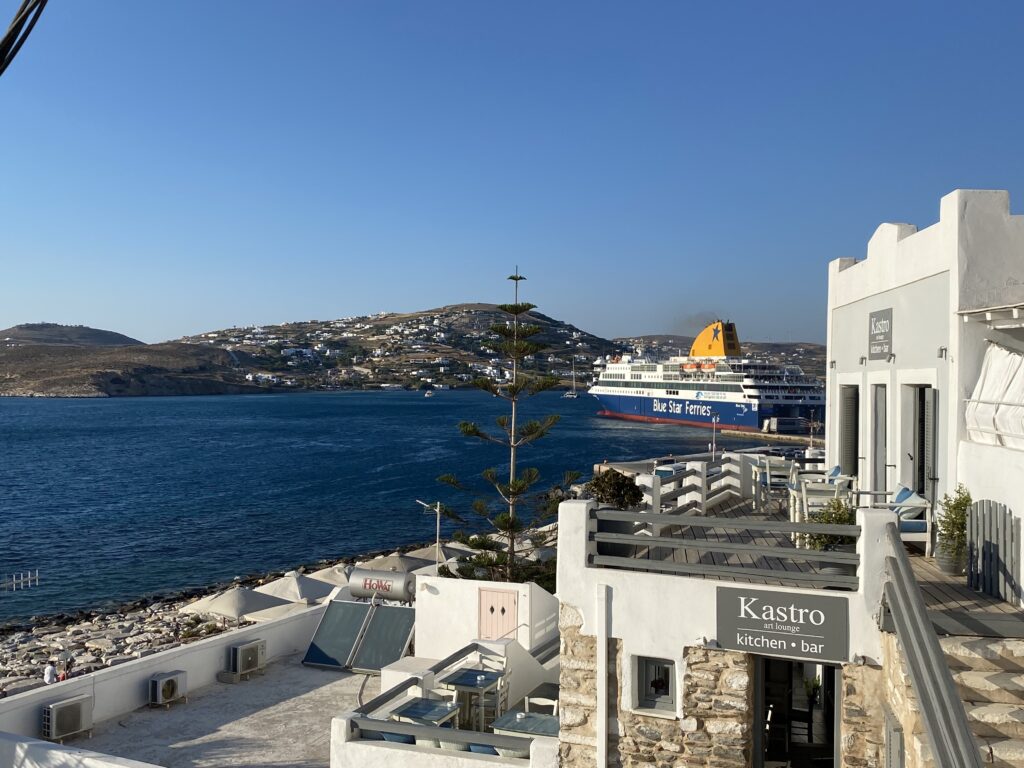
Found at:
[955, 608]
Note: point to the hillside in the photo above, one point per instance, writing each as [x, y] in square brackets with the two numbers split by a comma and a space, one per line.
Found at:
[157, 369]
[443, 347]
[63, 335]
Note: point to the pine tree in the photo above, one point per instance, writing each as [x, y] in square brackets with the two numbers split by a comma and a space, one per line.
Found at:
[515, 346]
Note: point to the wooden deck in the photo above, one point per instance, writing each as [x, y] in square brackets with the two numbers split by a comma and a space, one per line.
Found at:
[956, 609]
[734, 509]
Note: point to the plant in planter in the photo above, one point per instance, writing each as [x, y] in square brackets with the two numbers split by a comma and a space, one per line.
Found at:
[951, 549]
[835, 512]
[812, 687]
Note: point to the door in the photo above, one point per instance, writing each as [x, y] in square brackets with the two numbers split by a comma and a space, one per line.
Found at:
[498, 614]
[878, 447]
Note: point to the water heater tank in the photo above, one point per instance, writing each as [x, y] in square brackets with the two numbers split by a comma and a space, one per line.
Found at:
[387, 585]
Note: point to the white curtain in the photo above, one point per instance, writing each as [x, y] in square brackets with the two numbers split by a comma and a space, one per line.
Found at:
[995, 412]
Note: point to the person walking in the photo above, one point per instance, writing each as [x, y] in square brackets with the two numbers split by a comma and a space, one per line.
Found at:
[50, 673]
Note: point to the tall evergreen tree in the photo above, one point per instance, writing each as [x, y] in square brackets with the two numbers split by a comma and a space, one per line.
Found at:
[515, 346]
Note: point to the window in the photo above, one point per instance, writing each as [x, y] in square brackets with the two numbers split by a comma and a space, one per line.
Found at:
[657, 684]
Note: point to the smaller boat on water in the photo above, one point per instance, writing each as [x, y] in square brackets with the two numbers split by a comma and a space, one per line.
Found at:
[572, 394]
[429, 393]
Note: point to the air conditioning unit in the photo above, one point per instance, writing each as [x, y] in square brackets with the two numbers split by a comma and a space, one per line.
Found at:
[248, 657]
[168, 687]
[68, 717]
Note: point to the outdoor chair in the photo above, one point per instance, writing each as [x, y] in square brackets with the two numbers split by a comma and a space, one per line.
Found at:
[773, 482]
[549, 706]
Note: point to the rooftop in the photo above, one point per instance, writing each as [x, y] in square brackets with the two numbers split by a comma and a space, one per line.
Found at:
[280, 718]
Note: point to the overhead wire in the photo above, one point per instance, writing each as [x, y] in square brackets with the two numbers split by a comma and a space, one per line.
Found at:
[17, 33]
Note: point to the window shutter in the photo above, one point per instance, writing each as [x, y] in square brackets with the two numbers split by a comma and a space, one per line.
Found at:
[930, 430]
[849, 429]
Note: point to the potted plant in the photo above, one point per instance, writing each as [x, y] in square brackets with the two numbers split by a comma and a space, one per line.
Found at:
[812, 687]
[835, 512]
[951, 547]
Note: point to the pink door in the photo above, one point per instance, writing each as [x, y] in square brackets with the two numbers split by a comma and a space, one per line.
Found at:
[498, 614]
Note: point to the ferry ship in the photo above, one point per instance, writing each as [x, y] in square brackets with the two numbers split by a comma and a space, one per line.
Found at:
[713, 384]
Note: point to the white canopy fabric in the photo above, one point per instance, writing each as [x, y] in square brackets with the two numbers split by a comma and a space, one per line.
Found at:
[448, 552]
[296, 587]
[398, 563]
[233, 603]
[333, 574]
[277, 611]
[995, 412]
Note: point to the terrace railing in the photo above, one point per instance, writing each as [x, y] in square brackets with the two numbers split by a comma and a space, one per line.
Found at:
[436, 737]
[942, 710]
[701, 484]
[618, 539]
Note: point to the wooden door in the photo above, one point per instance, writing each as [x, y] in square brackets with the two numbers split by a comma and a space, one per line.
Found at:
[498, 614]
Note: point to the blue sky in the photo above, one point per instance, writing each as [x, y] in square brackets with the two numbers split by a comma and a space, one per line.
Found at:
[171, 167]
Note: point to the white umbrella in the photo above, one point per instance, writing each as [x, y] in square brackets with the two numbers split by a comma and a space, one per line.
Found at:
[277, 611]
[233, 603]
[398, 563]
[294, 586]
[333, 574]
[448, 552]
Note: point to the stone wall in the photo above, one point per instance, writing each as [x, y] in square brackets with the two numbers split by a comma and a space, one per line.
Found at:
[717, 702]
[862, 718]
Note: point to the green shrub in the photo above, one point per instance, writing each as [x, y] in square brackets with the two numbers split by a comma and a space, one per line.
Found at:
[611, 487]
[835, 512]
[952, 523]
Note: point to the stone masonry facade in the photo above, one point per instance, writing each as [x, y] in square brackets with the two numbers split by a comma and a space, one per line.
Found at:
[716, 731]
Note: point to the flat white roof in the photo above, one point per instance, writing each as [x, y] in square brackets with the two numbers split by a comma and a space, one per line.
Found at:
[282, 717]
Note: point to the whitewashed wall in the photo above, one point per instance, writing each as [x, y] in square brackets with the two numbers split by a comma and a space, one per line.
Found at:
[19, 752]
[448, 614]
[125, 687]
[347, 753]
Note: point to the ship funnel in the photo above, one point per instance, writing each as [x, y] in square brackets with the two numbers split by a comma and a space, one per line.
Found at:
[719, 339]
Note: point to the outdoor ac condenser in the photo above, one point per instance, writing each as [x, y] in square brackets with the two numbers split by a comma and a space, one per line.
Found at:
[249, 657]
[168, 687]
[68, 717]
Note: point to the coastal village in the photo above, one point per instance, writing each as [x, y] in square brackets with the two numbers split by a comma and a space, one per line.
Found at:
[858, 606]
[790, 555]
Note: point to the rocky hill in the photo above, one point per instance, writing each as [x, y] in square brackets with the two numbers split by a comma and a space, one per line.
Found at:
[443, 347]
[63, 335]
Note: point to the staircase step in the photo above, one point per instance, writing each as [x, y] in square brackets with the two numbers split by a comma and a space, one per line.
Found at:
[983, 685]
[983, 653]
[997, 751]
[996, 720]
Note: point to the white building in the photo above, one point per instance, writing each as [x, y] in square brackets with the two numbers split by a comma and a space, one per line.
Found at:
[911, 330]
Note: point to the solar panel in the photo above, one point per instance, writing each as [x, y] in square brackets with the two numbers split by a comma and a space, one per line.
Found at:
[337, 634]
[385, 639]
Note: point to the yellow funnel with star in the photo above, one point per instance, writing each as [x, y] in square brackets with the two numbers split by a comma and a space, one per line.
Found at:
[719, 339]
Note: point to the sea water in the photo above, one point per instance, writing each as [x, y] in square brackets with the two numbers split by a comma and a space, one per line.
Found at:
[114, 499]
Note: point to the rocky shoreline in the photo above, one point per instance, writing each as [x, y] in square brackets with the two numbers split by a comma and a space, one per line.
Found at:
[105, 638]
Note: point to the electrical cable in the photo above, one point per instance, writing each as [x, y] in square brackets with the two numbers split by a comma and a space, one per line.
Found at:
[17, 33]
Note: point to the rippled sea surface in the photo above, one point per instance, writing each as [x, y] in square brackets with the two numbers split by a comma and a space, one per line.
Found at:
[114, 499]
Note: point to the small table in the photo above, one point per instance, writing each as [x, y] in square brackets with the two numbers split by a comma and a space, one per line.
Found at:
[531, 723]
[425, 711]
[473, 681]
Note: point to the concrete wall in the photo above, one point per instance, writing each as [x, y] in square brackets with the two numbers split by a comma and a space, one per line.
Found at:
[347, 752]
[448, 613]
[19, 752]
[637, 610]
[125, 687]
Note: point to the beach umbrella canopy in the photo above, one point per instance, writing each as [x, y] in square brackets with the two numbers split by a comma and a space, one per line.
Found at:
[337, 575]
[295, 587]
[277, 611]
[448, 552]
[399, 563]
[233, 603]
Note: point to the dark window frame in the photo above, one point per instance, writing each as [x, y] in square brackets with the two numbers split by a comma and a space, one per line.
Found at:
[649, 671]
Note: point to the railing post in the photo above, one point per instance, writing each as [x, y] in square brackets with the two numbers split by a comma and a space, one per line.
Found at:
[698, 476]
[651, 486]
[872, 549]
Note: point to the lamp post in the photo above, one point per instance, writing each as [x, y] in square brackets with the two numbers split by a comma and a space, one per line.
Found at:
[714, 423]
[436, 509]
